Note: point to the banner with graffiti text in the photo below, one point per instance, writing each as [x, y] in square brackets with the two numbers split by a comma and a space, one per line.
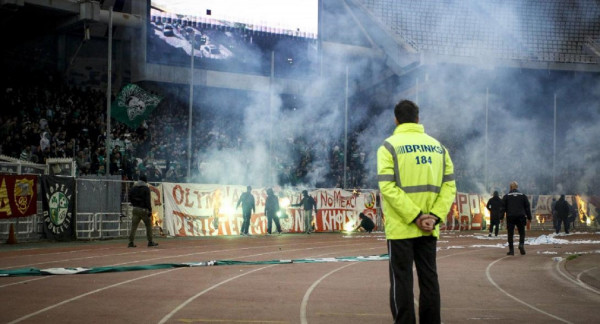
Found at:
[203, 210]
[18, 195]
[211, 210]
[337, 209]
[469, 212]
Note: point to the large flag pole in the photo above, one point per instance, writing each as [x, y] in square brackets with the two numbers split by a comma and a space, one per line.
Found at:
[346, 129]
[554, 149]
[108, 93]
[270, 178]
[487, 99]
[189, 150]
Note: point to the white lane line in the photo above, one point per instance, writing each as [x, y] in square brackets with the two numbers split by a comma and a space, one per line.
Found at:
[489, 277]
[415, 298]
[156, 258]
[65, 260]
[50, 253]
[235, 249]
[312, 287]
[131, 280]
[119, 264]
[21, 282]
[189, 300]
[87, 294]
[578, 282]
[145, 251]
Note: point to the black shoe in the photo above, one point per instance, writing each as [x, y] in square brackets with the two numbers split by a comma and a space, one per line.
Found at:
[510, 252]
[131, 245]
[522, 249]
[152, 244]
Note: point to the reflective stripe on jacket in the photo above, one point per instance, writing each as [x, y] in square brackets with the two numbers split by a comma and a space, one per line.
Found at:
[415, 174]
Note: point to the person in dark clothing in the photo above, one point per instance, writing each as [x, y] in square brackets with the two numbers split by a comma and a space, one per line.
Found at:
[139, 196]
[496, 208]
[563, 209]
[518, 213]
[553, 210]
[248, 208]
[309, 204]
[271, 210]
[365, 223]
[574, 216]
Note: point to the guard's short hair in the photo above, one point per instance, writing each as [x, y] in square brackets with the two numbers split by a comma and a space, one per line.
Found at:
[514, 185]
[406, 111]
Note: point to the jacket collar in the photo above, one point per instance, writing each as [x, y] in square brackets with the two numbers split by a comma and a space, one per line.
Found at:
[409, 127]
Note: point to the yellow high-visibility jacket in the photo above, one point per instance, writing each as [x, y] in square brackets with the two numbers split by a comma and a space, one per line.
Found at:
[415, 174]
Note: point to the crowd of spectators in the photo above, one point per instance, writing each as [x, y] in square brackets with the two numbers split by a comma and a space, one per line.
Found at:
[44, 118]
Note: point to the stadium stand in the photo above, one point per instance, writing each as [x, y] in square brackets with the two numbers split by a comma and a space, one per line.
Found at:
[545, 31]
[45, 118]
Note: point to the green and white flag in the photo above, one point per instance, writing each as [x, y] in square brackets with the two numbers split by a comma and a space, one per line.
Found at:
[133, 105]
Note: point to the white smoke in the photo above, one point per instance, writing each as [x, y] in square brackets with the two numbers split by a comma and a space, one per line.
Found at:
[453, 99]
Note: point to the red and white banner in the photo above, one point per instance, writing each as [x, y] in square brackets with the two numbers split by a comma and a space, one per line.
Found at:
[338, 209]
[210, 210]
[469, 211]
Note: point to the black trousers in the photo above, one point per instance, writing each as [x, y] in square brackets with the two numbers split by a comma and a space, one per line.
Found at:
[246, 214]
[402, 253]
[494, 223]
[272, 216]
[519, 222]
[563, 220]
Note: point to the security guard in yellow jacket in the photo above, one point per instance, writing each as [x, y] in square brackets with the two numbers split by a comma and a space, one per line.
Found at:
[416, 180]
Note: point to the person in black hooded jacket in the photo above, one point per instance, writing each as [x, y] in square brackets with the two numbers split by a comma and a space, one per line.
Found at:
[248, 208]
[563, 209]
[271, 210]
[308, 203]
[496, 208]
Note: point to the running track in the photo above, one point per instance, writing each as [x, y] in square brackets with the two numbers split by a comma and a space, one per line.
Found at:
[479, 282]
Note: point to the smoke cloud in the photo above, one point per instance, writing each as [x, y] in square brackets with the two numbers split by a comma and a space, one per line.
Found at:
[274, 129]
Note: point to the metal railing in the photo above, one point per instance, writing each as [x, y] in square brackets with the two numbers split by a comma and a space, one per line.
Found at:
[93, 226]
